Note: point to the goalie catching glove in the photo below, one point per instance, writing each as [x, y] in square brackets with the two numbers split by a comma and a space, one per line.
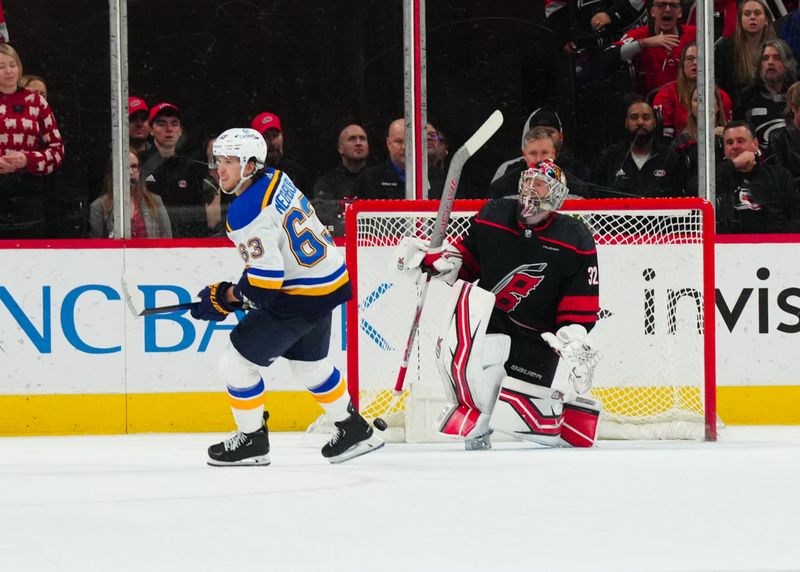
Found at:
[571, 343]
[213, 305]
[442, 263]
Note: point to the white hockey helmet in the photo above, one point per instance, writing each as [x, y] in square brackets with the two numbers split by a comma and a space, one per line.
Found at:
[551, 183]
[244, 143]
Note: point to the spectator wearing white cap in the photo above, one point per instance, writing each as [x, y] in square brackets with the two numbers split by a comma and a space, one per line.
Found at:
[269, 125]
[547, 119]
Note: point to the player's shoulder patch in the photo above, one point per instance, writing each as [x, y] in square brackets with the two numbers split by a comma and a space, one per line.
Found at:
[247, 206]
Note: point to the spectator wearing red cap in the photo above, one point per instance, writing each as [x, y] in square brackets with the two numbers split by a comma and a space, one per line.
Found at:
[138, 136]
[30, 148]
[269, 125]
[174, 177]
[138, 126]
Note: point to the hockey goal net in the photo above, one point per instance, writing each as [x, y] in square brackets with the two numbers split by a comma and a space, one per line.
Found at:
[655, 332]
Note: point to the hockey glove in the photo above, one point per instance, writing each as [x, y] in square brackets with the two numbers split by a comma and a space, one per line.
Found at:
[571, 343]
[443, 264]
[212, 305]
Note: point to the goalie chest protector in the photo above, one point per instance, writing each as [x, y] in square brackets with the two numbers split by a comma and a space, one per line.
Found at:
[543, 277]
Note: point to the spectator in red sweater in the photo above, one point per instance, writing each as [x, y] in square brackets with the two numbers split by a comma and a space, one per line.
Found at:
[674, 100]
[30, 146]
[654, 49]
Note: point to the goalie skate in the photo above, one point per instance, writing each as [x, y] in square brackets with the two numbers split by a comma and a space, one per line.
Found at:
[243, 449]
[353, 438]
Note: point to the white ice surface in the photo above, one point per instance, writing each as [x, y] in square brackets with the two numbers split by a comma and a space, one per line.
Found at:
[149, 502]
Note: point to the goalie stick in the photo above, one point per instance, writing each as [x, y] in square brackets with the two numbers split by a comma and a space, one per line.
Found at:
[467, 150]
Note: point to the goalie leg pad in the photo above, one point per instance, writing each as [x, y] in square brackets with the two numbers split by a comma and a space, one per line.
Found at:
[461, 421]
[581, 414]
[529, 412]
[470, 363]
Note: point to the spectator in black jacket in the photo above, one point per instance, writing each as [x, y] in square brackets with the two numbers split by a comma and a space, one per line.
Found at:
[753, 197]
[763, 103]
[784, 143]
[641, 165]
[549, 120]
[337, 187]
[172, 176]
[387, 180]
[539, 144]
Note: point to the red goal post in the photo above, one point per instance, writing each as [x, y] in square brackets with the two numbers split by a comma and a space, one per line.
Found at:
[656, 378]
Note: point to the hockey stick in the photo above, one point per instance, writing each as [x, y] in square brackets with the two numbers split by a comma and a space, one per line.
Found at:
[481, 136]
[168, 309]
[177, 307]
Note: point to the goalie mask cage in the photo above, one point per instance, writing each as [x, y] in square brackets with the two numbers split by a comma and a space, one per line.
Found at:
[656, 378]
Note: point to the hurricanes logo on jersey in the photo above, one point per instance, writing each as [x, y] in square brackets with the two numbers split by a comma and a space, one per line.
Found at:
[517, 284]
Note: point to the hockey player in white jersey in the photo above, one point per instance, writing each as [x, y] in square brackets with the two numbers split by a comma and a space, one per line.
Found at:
[293, 278]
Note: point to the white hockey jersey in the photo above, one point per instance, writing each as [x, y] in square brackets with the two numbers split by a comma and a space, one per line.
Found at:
[290, 259]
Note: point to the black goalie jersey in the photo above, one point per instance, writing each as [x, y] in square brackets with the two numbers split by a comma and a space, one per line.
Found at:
[544, 277]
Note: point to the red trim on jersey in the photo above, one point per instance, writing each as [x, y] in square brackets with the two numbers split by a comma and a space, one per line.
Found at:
[572, 318]
[541, 226]
[495, 225]
[579, 303]
[470, 269]
[565, 245]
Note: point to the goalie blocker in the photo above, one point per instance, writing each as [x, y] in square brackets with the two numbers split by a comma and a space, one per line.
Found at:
[482, 398]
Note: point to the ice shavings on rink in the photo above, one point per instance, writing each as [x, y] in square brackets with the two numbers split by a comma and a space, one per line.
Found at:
[149, 502]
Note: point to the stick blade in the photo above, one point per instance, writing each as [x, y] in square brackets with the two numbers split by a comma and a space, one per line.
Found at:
[167, 309]
[484, 132]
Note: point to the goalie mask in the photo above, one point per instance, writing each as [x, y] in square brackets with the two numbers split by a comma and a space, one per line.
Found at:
[245, 144]
[542, 188]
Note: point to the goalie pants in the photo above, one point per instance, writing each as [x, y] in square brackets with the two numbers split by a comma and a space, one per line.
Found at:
[530, 360]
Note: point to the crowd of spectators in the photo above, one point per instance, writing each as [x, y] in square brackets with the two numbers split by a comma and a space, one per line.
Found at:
[174, 190]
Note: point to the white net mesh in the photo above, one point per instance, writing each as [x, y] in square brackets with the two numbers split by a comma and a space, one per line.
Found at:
[651, 379]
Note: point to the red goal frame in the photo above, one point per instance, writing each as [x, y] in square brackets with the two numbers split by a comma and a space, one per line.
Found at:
[709, 305]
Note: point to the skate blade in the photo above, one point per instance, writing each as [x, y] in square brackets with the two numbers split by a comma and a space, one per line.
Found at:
[477, 445]
[367, 446]
[260, 461]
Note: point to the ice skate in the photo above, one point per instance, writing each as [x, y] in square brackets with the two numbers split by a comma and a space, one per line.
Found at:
[353, 438]
[479, 443]
[243, 449]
